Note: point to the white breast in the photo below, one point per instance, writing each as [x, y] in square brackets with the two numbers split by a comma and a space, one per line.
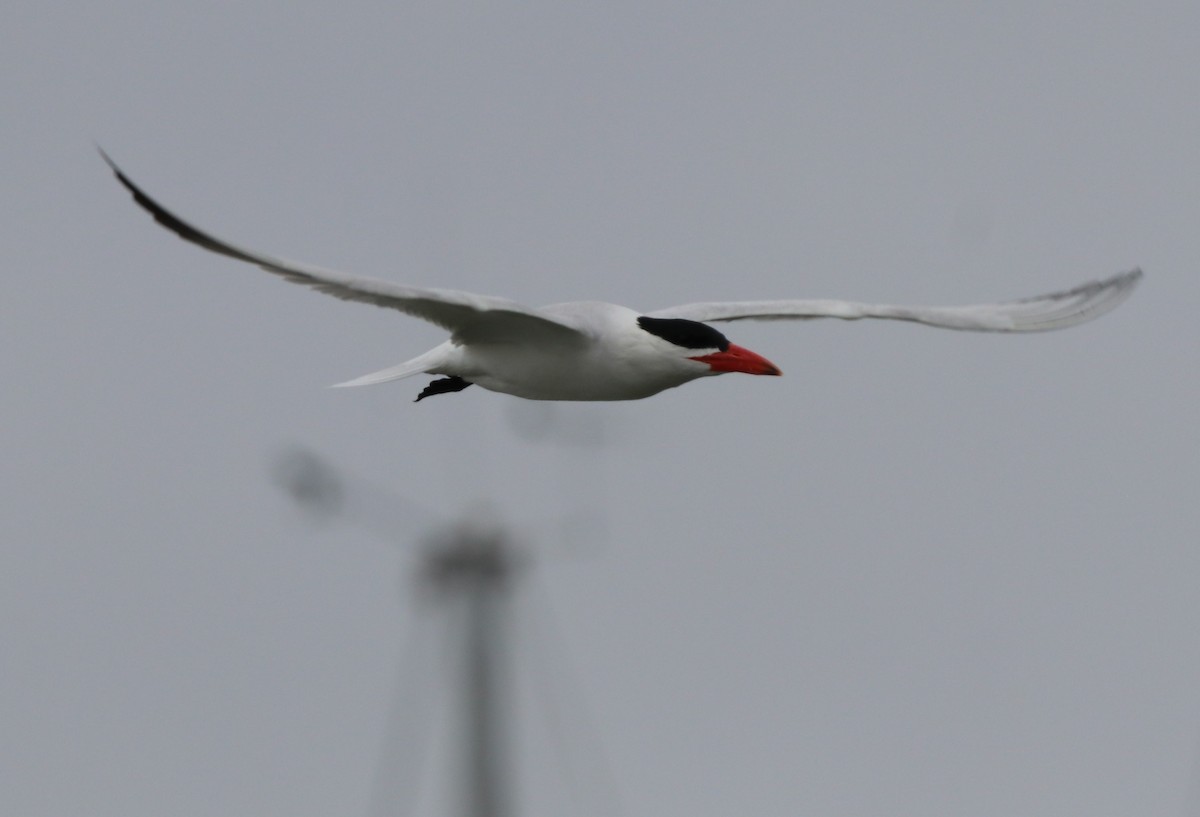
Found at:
[619, 361]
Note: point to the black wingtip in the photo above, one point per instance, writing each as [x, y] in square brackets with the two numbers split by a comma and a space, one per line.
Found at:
[140, 197]
[112, 164]
[173, 222]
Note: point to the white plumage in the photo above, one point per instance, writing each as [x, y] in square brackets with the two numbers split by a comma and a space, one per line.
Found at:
[598, 351]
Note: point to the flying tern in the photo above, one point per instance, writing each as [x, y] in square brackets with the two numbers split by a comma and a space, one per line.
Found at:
[588, 350]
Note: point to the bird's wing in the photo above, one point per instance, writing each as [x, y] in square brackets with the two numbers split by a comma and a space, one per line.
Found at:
[469, 317]
[1054, 311]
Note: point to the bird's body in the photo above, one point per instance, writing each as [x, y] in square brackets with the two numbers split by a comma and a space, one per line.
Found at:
[588, 350]
[612, 359]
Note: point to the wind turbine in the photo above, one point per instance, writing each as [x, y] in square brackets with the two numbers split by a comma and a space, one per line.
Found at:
[469, 568]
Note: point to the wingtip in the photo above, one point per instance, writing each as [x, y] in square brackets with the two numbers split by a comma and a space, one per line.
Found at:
[1128, 277]
[108, 160]
[120, 174]
[1122, 284]
[1100, 297]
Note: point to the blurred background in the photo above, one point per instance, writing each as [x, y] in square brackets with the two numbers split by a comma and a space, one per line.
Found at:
[923, 573]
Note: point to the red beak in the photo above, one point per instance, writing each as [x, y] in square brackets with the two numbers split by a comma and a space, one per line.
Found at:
[739, 359]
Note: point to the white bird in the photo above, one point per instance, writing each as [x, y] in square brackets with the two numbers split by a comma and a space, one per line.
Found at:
[589, 350]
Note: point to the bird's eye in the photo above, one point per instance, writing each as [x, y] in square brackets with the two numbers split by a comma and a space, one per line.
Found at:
[685, 333]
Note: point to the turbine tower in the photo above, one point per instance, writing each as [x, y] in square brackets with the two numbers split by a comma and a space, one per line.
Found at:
[472, 570]
[470, 566]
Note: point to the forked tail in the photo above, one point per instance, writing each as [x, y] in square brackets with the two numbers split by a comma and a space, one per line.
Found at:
[421, 364]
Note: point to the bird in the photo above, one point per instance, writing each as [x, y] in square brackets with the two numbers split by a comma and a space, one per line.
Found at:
[595, 351]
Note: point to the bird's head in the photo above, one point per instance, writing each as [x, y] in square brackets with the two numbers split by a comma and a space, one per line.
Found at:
[703, 344]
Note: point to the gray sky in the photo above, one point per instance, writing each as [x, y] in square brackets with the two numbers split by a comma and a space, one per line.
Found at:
[924, 573]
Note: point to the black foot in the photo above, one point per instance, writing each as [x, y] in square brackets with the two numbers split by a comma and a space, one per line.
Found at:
[443, 386]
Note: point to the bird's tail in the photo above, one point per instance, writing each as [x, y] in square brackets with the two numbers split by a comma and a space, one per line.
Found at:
[427, 362]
